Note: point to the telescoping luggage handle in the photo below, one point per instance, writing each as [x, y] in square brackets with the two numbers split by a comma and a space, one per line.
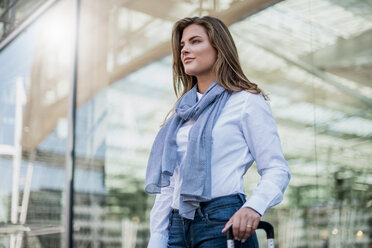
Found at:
[269, 229]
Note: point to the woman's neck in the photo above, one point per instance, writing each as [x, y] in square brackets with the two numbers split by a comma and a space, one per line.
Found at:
[204, 83]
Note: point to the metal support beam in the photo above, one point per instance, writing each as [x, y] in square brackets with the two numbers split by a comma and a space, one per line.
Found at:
[327, 77]
[17, 157]
[26, 197]
[353, 52]
[33, 17]
[70, 151]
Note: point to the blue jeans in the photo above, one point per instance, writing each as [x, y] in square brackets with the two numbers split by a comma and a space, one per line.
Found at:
[205, 230]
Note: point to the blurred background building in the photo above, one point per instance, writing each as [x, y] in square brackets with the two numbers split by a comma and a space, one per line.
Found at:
[312, 57]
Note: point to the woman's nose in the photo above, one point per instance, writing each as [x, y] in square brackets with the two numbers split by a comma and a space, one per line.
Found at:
[185, 49]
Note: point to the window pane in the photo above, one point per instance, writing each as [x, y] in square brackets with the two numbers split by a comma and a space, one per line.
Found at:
[35, 74]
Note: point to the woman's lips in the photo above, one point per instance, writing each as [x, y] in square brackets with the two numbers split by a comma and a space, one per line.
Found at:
[187, 60]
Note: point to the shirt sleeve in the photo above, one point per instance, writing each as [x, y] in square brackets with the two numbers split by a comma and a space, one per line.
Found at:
[260, 132]
[159, 217]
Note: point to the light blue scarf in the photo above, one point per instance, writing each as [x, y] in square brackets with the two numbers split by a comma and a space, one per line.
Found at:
[196, 165]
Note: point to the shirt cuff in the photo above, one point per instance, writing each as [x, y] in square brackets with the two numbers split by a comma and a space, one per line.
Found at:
[256, 203]
[158, 240]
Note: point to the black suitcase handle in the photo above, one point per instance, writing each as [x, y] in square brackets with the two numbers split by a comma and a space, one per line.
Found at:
[269, 229]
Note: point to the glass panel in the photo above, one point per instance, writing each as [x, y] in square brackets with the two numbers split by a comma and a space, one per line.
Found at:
[312, 58]
[35, 74]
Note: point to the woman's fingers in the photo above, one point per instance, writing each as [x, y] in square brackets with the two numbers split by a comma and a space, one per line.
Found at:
[236, 227]
[249, 231]
[255, 223]
[227, 226]
[245, 222]
[243, 230]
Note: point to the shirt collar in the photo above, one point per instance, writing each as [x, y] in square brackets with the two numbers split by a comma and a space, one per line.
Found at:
[199, 95]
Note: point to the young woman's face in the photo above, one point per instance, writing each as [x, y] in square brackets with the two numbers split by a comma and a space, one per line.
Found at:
[197, 54]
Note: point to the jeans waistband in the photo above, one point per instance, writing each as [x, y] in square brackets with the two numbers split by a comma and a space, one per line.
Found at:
[218, 202]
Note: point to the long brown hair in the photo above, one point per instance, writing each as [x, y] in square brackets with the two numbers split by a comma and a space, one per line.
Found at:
[229, 73]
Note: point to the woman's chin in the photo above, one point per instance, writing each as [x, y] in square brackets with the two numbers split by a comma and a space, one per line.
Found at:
[190, 72]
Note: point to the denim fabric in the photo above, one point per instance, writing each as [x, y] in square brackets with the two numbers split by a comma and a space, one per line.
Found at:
[205, 230]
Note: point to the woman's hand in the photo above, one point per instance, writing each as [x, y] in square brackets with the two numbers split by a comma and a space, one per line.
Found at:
[245, 222]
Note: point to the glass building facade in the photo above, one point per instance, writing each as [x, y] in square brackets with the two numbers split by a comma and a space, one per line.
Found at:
[312, 57]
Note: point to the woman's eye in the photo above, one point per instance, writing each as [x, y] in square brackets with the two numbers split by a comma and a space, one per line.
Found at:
[195, 41]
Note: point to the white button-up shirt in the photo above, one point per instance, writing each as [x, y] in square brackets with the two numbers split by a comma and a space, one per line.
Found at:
[244, 132]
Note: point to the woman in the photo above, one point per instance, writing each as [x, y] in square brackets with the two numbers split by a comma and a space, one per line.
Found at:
[220, 125]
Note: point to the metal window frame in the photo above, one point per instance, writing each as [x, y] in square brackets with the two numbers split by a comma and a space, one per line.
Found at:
[70, 151]
[26, 23]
